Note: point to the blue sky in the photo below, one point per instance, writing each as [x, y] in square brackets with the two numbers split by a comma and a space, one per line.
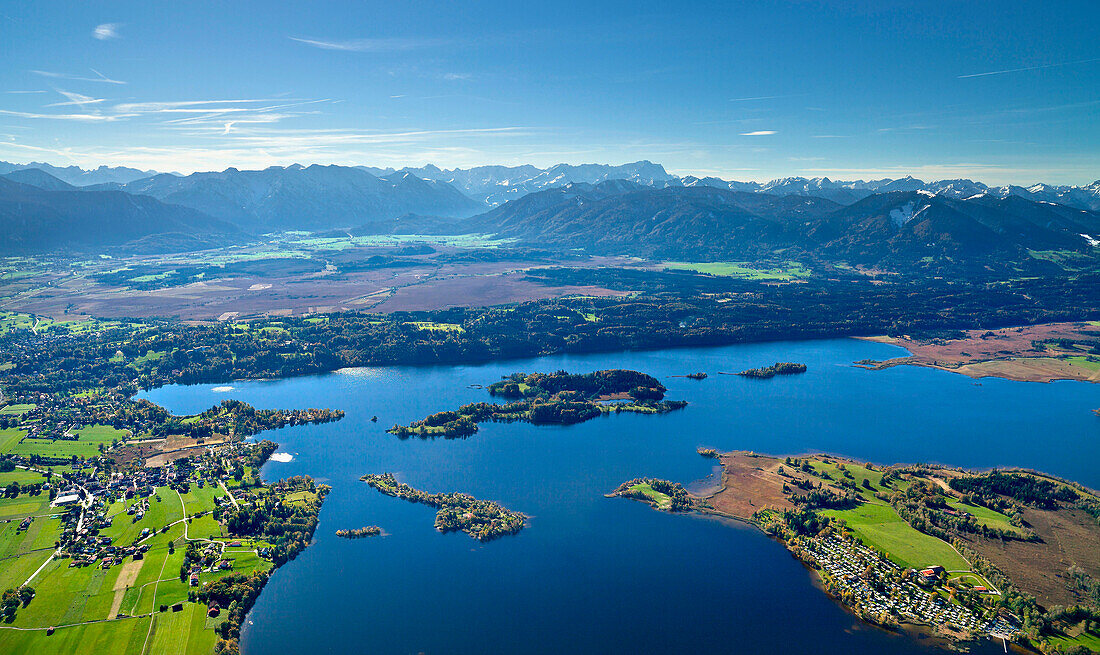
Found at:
[1004, 92]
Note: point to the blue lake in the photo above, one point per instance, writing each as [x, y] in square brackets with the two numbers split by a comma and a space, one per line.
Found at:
[597, 575]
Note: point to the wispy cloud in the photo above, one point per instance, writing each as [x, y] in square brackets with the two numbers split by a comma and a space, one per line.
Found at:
[78, 99]
[457, 76]
[1030, 68]
[262, 146]
[752, 98]
[759, 133]
[106, 31]
[24, 92]
[100, 77]
[185, 106]
[84, 118]
[375, 45]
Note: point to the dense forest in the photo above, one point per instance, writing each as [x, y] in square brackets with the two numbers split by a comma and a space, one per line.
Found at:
[732, 312]
[1024, 488]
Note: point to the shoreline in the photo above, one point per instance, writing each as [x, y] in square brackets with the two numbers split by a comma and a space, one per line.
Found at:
[747, 486]
[1043, 352]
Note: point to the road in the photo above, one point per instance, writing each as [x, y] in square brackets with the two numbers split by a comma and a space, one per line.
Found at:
[226, 490]
[85, 505]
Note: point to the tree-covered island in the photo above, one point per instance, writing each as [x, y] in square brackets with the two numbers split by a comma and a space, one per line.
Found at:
[778, 368]
[359, 533]
[549, 398]
[660, 494]
[483, 520]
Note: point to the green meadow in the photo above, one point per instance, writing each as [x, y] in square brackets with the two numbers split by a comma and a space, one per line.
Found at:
[743, 270]
[881, 528]
[114, 610]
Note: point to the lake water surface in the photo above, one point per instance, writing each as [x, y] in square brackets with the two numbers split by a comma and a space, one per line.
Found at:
[592, 575]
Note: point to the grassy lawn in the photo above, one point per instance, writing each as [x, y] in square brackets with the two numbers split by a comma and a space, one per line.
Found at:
[662, 500]
[1090, 640]
[9, 438]
[181, 633]
[1091, 363]
[124, 530]
[984, 515]
[149, 356]
[881, 527]
[17, 410]
[437, 327]
[40, 536]
[197, 500]
[124, 637]
[301, 496]
[742, 270]
[22, 477]
[87, 444]
[17, 508]
[857, 474]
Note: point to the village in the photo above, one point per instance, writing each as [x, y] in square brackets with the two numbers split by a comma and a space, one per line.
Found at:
[90, 502]
[882, 591]
[204, 515]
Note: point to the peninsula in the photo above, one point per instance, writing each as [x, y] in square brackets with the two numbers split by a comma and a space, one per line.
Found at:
[1006, 554]
[1031, 353]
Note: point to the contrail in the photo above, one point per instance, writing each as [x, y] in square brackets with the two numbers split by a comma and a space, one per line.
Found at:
[1030, 68]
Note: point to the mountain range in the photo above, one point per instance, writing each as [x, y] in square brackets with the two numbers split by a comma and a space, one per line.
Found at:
[494, 185]
[77, 176]
[36, 219]
[891, 224]
[303, 197]
[893, 230]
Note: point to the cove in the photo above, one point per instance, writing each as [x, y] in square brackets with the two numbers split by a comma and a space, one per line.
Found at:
[597, 575]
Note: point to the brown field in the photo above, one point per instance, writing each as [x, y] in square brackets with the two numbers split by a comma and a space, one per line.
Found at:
[168, 457]
[157, 452]
[479, 291]
[178, 441]
[1069, 537]
[1006, 353]
[749, 483]
[127, 453]
[126, 577]
[424, 284]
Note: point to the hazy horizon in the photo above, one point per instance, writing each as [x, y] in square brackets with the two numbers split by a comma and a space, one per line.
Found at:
[677, 173]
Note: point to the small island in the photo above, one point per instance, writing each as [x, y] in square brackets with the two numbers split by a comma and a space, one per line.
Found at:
[359, 533]
[549, 398]
[660, 494]
[778, 368]
[937, 550]
[693, 376]
[483, 520]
